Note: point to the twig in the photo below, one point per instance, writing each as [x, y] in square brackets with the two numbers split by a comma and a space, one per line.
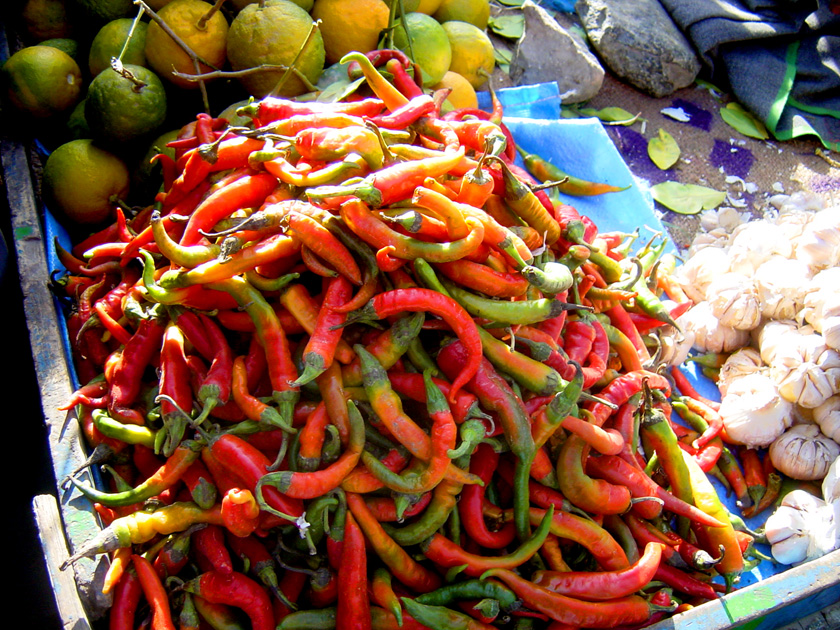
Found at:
[292, 69]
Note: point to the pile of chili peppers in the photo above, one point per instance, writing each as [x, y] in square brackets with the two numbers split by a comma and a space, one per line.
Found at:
[354, 368]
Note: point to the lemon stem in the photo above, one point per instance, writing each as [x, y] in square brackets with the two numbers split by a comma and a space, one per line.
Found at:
[131, 33]
[183, 45]
[292, 67]
[202, 22]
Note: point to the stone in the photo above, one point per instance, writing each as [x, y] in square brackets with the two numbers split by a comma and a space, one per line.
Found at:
[549, 52]
[639, 42]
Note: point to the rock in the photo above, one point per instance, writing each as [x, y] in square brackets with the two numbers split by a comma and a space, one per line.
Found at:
[548, 52]
[640, 43]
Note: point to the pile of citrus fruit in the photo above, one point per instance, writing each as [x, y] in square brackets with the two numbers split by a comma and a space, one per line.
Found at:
[114, 78]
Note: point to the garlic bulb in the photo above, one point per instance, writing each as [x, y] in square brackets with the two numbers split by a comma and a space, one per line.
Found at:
[802, 528]
[710, 335]
[803, 383]
[802, 203]
[733, 299]
[674, 345]
[740, 363]
[771, 337]
[754, 243]
[753, 412]
[827, 416]
[699, 270]
[724, 218]
[803, 452]
[831, 482]
[717, 238]
[819, 244]
[780, 286]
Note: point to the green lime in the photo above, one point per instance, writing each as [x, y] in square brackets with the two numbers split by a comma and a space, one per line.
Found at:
[81, 181]
[45, 19]
[77, 124]
[41, 81]
[123, 107]
[103, 11]
[110, 41]
[429, 45]
[65, 44]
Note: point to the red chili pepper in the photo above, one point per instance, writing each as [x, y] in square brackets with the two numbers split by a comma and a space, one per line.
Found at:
[208, 543]
[235, 589]
[353, 607]
[126, 378]
[602, 585]
[483, 463]
[240, 512]
[155, 593]
[127, 596]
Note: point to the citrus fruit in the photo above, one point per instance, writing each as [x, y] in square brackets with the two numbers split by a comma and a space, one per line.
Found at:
[475, 12]
[106, 10]
[349, 25]
[462, 94]
[429, 46]
[65, 44]
[408, 6]
[80, 179]
[77, 126]
[110, 40]
[238, 5]
[123, 107]
[275, 34]
[428, 6]
[45, 19]
[204, 35]
[472, 51]
[41, 81]
[147, 178]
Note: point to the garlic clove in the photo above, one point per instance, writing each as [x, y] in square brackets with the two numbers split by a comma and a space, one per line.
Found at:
[791, 550]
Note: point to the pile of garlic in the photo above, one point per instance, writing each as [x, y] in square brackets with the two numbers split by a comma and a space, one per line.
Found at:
[767, 293]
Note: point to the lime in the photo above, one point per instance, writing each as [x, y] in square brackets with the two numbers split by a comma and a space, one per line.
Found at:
[110, 40]
[276, 34]
[350, 25]
[121, 107]
[426, 43]
[476, 12]
[41, 81]
[77, 126]
[65, 44]
[45, 19]
[200, 27]
[80, 180]
[473, 55]
[102, 11]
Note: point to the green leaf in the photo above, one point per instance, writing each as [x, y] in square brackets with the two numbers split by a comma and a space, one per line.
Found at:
[339, 90]
[687, 198]
[615, 115]
[664, 150]
[512, 3]
[743, 121]
[503, 57]
[508, 26]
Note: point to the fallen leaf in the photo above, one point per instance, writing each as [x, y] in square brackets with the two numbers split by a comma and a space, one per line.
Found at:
[677, 113]
[615, 115]
[743, 121]
[687, 198]
[512, 3]
[502, 58]
[339, 90]
[508, 26]
[664, 150]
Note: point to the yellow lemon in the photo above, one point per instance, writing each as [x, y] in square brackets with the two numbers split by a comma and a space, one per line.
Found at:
[428, 6]
[82, 181]
[424, 39]
[462, 95]
[41, 81]
[472, 52]
[110, 40]
[279, 33]
[475, 12]
[350, 25]
[200, 27]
